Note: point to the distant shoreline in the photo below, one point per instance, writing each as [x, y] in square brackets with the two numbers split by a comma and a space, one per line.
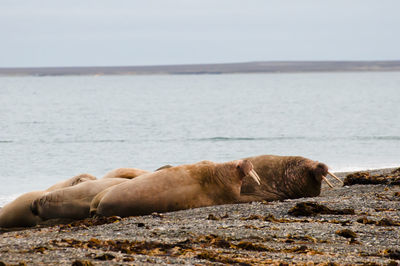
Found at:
[204, 69]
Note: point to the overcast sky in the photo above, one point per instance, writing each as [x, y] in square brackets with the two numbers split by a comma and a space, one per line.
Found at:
[148, 32]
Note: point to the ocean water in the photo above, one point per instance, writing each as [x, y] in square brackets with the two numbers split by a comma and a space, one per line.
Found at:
[52, 128]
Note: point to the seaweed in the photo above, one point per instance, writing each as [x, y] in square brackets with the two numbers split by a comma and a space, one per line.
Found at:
[381, 222]
[292, 238]
[82, 263]
[105, 256]
[312, 209]
[391, 253]
[347, 233]
[214, 257]
[84, 224]
[246, 245]
[216, 217]
[365, 178]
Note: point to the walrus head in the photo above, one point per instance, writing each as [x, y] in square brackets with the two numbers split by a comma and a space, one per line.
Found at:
[285, 177]
[223, 181]
[246, 169]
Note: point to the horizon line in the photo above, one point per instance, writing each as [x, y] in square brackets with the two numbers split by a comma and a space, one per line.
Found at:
[203, 64]
[216, 68]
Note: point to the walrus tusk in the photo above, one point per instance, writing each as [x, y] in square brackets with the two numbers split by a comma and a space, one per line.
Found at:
[326, 180]
[337, 178]
[255, 176]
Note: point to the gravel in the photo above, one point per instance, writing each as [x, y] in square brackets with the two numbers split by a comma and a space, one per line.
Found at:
[246, 234]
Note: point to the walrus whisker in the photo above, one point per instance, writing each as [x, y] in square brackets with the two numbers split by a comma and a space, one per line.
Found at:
[326, 180]
[255, 176]
[334, 176]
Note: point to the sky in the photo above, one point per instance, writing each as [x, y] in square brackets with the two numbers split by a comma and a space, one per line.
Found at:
[124, 33]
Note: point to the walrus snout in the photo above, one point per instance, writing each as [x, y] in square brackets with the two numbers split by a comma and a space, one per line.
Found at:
[321, 170]
[93, 214]
[246, 167]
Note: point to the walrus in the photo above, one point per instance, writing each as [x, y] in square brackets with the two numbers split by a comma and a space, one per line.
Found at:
[164, 167]
[18, 213]
[72, 181]
[284, 177]
[72, 202]
[96, 200]
[177, 188]
[128, 173]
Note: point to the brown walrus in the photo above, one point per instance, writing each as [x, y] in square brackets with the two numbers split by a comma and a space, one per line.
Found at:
[18, 213]
[72, 181]
[72, 202]
[284, 177]
[128, 173]
[177, 188]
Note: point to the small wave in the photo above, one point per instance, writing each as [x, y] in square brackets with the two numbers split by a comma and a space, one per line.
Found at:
[245, 138]
[31, 122]
[6, 141]
[223, 139]
[377, 137]
[304, 138]
[87, 141]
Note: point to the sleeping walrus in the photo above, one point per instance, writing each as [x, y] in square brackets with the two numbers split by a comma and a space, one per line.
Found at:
[177, 188]
[127, 173]
[18, 213]
[71, 202]
[284, 177]
[74, 202]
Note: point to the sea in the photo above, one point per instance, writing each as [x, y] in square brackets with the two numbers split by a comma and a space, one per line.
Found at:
[55, 127]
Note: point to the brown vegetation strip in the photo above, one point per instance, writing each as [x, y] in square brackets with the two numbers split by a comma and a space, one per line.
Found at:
[347, 233]
[202, 247]
[365, 178]
[382, 222]
[312, 209]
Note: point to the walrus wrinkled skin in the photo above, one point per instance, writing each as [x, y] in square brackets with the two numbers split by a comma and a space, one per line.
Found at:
[18, 213]
[283, 177]
[177, 188]
[72, 202]
[128, 173]
[96, 200]
[72, 181]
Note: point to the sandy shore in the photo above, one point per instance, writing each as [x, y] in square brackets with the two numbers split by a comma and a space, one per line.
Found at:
[357, 224]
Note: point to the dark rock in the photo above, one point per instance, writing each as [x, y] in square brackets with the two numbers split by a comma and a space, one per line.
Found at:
[105, 256]
[346, 233]
[213, 217]
[82, 263]
[312, 209]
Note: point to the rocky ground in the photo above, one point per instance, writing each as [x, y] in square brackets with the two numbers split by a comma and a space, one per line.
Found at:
[354, 224]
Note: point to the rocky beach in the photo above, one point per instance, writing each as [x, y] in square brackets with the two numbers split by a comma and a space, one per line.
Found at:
[351, 224]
